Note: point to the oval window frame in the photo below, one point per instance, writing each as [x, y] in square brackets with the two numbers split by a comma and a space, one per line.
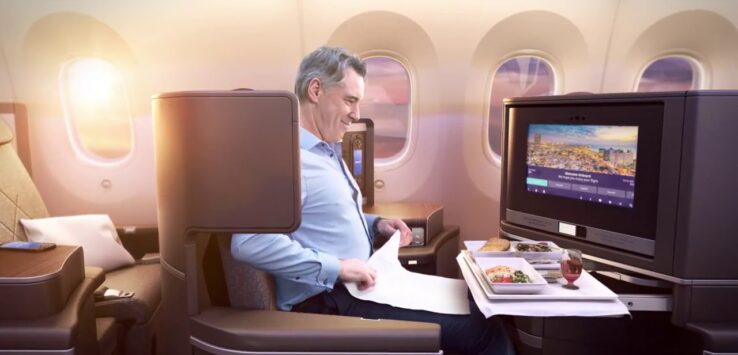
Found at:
[698, 68]
[492, 156]
[411, 134]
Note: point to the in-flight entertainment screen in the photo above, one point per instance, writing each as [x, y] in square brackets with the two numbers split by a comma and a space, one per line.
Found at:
[595, 163]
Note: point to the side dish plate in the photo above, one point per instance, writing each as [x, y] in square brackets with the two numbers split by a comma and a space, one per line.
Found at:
[536, 285]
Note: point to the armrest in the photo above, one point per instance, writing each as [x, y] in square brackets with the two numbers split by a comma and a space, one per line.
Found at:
[37, 284]
[440, 254]
[427, 252]
[59, 331]
[256, 331]
[717, 337]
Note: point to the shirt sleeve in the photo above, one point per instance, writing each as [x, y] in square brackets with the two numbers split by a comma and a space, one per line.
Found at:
[280, 255]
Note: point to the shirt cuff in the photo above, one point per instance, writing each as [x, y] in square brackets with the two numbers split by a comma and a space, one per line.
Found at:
[330, 267]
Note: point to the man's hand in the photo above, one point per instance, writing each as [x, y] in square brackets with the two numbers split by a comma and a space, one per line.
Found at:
[387, 227]
[355, 270]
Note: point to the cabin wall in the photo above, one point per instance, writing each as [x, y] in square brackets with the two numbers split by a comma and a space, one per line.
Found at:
[6, 91]
[451, 48]
[451, 71]
[704, 30]
[200, 46]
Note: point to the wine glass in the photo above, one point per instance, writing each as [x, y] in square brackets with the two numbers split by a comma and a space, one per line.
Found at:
[571, 267]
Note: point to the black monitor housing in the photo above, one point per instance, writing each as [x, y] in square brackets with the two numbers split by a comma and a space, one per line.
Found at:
[671, 211]
[645, 183]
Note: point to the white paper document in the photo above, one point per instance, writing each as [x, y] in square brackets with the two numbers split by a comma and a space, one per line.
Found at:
[398, 287]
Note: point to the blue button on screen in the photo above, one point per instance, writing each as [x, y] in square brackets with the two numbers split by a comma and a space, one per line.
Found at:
[539, 182]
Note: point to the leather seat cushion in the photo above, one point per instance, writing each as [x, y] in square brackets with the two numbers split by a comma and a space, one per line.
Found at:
[142, 279]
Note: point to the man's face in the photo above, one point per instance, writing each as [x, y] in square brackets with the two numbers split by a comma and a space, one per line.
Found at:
[338, 106]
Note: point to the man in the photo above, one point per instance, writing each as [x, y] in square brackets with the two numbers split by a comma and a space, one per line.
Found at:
[334, 240]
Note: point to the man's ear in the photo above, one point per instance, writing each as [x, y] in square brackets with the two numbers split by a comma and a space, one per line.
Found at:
[314, 89]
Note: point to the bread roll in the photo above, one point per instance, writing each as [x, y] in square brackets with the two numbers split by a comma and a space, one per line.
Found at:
[496, 244]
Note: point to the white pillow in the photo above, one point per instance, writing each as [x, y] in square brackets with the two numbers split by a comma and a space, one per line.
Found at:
[95, 233]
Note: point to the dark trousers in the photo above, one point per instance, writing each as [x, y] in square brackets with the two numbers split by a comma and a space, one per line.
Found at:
[463, 334]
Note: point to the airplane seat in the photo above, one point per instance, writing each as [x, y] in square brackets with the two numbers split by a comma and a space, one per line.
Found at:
[238, 313]
[248, 288]
[21, 199]
[43, 310]
[228, 162]
[136, 316]
[139, 314]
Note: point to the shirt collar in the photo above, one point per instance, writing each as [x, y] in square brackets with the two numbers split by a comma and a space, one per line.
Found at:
[309, 140]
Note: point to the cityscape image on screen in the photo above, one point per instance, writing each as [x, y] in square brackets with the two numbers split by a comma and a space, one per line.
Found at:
[594, 163]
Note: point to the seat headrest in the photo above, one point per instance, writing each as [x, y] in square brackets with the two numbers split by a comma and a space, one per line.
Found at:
[6, 135]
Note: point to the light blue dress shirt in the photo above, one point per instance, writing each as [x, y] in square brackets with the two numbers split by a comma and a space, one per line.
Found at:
[306, 261]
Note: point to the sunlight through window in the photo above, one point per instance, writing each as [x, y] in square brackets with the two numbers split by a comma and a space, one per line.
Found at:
[96, 108]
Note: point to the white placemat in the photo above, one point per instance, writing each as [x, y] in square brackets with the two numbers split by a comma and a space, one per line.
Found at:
[533, 308]
[590, 289]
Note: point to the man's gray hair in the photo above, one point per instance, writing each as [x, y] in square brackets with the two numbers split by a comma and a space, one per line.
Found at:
[327, 64]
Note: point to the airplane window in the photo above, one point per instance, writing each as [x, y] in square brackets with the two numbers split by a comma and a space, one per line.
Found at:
[518, 76]
[96, 108]
[387, 103]
[673, 73]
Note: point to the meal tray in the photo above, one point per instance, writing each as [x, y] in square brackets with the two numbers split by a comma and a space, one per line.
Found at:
[590, 289]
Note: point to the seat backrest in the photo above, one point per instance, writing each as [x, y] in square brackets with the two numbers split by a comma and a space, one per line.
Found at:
[226, 282]
[248, 288]
[19, 197]
[226, 162]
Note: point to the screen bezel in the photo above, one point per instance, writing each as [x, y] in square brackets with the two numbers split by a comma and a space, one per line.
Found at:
[641, 220]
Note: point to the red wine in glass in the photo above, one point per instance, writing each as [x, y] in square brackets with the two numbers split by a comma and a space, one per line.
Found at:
[571, 267]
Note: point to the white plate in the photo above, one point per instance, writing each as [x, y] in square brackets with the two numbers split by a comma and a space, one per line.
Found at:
[536, 285]
[539, 260]
[590, 289]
